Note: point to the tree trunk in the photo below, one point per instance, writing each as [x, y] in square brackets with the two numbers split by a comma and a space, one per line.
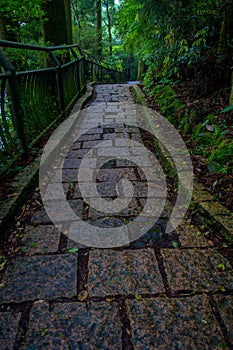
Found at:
[231, 94]
[141, 69]
[109, 28]
[58, 27]
[76, 17]
[99, 26]
[226, 31]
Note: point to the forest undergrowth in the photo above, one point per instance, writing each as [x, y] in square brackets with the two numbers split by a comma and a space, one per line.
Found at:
[198, 114]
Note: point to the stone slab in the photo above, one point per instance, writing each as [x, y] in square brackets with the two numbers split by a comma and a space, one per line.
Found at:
[40, 239]
[172, 324]
[123, 272]
[189, 236]
[215, 208]
[40, 277]
[202, 196]
[225, 306]
[114, 175]
[74, 326]
[40, 217]
[197, 270]
[8, 329]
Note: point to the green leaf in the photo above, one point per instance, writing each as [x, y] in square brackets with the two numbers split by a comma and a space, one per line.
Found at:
[43, 332]
[2, 265]
[72, 250]
[227, 109]
[221, 267]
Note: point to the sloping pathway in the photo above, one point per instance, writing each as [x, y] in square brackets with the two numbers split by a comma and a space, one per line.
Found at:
[162, 291]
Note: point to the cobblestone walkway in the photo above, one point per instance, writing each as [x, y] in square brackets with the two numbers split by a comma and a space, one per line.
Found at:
[162, 291]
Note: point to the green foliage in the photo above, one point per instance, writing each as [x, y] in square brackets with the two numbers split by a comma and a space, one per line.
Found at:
[223, 155]
[171, 35]
[215, 146]
[23, 21]
[227, 109]
[165, 97]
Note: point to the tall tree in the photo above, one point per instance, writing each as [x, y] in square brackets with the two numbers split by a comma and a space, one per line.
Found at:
[110, 12]
[58, 27]
[84, 24]
[99, 27]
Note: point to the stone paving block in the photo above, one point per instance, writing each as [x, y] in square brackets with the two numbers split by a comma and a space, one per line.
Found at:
[70, 175]
[140, 189]
[72, 244]
[123, 272]
[40, 217]
[226, 222]
[40, 277]
[77, 206]
[153, 238]
[197, 270]
[89, 163]
[172, 324]
[132, 210]
[107, 189]
[76, 154]
[40, 239]
[189, 236]
[225, 306]
[202, 196]
[92, 137]
[74, 326]
[107, 221]
[120, 163]
[114, 175]
[90, 144]
[8, 329]
[73, 163]
[215, 208]
[117, 151]
[54, 192]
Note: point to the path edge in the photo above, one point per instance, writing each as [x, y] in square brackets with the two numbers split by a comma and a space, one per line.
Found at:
[27, 179]
[203, 202]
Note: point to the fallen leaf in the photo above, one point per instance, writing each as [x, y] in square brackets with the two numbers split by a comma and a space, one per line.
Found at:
[83, 295]
[2, 265]
[43, 332]
[222, 288]
[109, 299]
[72, 250]
[221, 267]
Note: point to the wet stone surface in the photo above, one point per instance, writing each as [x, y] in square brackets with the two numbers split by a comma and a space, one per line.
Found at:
[197, 270]
[39, 277]
[149, 286]
[8, 329]
[74, 326]
[40, 239]
[40, 217]
[127, 272]
[190, 236]
[173, 324]
[225, 306]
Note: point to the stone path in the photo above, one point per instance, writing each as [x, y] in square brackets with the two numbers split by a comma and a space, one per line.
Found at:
[161, 291]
